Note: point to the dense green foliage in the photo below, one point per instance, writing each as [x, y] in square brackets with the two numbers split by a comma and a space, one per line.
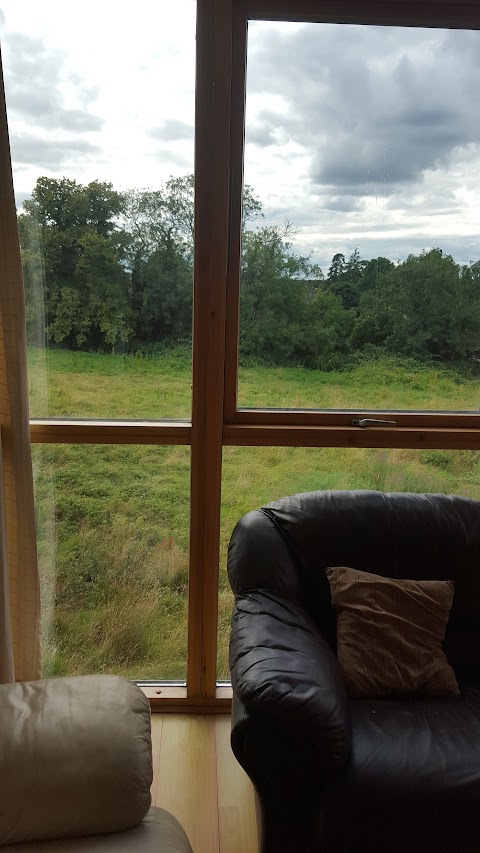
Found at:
[117, 271]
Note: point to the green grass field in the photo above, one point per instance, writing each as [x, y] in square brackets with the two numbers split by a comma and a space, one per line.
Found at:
[113, 520]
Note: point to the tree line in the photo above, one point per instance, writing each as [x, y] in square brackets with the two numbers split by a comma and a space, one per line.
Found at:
[117, 270]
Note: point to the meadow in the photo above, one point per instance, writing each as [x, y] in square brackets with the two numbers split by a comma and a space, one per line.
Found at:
[113, 520]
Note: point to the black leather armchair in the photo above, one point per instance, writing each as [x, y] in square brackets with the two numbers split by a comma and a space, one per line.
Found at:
[348, 776]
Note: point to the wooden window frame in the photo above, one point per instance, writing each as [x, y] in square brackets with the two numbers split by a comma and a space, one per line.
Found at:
[216, 421]
[249, 426]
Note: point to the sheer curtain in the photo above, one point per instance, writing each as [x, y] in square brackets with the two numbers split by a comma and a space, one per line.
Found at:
[19, 581]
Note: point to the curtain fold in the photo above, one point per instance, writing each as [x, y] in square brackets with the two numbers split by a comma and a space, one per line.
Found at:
[19, 580]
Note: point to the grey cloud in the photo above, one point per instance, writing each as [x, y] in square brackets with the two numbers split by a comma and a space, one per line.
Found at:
[344, 204]
[260, 134]
[41, 107]
[435, 203]
[372, 105]
[2, 18]
[463, 249]
[33, 76]
[172, 130]
[175, 157]
[270, 128]
[438, 118]
[463, 46]
[354, 167]
[273, 215]
[86, 92]
[28, 149]
[80, 121]
[20, 197]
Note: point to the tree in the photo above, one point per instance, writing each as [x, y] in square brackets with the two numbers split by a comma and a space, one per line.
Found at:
[150, 216]
[86, 283]
[327, 331]
[165, 310]
[372, 270]
[276, 288]
[117, 267]
[337, 268]
[118, 272]
[355, 266]
[33, 271]
[64, 204]
[106, 287]
[344, 279]
[421, 308]
[159, 225]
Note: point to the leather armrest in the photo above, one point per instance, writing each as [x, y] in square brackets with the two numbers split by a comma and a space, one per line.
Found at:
[159, 832]
[75, 757]
[286, 676]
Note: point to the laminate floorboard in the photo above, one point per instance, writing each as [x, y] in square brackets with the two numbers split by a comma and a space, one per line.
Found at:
[198, 779]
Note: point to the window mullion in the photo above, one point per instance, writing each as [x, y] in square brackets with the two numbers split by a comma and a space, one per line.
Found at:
[213, 96]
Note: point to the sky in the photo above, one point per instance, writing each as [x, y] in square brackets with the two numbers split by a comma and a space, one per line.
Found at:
[363, 137]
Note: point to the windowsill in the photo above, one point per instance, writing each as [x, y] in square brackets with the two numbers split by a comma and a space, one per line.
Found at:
[174, 699]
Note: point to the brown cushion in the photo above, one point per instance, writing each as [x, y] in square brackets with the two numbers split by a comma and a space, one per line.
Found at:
[390, 633]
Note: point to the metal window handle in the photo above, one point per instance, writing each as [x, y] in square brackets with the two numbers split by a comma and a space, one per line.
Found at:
[367, 422]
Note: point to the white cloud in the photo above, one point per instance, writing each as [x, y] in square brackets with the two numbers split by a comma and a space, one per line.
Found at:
[388, 128]
[363, 136]
[99, 75]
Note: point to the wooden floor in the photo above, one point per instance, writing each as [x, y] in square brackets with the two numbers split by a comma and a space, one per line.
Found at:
[198, 779]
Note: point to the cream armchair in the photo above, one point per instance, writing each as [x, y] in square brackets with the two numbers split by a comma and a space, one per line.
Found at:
[76, 769]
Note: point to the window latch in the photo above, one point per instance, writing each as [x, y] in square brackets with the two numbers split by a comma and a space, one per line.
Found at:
[368, 422]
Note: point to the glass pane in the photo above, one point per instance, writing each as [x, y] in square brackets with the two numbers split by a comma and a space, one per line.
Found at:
[101, 122]
[360, 284]
[254, 476]
[112, 525]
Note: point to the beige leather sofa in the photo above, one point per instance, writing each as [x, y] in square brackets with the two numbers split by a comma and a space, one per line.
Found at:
[76, 769]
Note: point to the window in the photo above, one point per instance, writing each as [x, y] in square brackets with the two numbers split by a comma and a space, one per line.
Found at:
[255, 476]
[359, 272]
[102, 159]
[112, 528]
[426, 448]
[103, 170]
